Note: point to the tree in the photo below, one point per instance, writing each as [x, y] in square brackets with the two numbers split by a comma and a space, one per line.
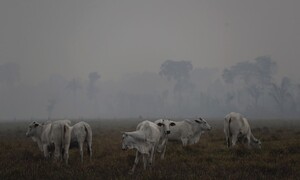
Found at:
[93, 90]
[178, 71]
[258, 72]
[255, 76]
[281, 93]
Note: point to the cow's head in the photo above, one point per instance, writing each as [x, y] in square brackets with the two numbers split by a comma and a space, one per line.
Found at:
[165, 124]
[32, 128]
[256, 143]
[127, 141]
[203, 124]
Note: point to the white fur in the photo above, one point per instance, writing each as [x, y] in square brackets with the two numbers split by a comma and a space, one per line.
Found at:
[237, 127]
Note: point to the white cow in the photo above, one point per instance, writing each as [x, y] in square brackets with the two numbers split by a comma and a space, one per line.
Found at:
[55, 134]
[145, 140]
[81, 133]
[188, 131]
[164, 127]
[237, 129]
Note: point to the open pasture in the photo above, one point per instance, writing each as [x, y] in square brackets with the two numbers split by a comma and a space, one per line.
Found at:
[279, 157]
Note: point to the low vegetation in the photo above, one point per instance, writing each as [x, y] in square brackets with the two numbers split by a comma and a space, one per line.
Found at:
[209, 159]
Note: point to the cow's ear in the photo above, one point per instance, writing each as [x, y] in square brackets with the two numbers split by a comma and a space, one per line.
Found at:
[124, 134]
[160, 124]
[172, 124]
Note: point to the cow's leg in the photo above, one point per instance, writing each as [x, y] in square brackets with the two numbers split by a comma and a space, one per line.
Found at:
[152, 156]
[57, 151]
[233, 140]
[227, 140]
[80, 144]
[89, 149]
[184, 141]
[145, 159]
[66, 152]
[45, 150]
[164, 149]
[136, 161]
[249, 141]
[163, 153]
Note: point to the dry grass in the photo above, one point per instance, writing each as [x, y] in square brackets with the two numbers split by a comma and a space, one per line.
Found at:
[279, 157]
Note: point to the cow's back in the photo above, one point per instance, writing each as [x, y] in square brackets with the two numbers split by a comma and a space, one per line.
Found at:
[46, 136]
[236, 123]
[56, 133]
[181, 129]
[150, 130]
[81, 130]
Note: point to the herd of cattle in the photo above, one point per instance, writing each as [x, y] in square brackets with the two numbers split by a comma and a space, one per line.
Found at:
[149, 137]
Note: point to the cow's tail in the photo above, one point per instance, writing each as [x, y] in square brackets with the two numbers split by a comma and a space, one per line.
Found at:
[66, 134]
[89, 138]
[227, 130]
[66, 138]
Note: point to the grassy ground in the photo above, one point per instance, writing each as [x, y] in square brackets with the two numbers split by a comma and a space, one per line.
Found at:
[279, 157]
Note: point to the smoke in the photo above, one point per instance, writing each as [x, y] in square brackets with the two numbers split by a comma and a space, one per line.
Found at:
[178, 90]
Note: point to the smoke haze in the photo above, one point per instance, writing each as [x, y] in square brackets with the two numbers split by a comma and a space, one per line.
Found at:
[99, 59]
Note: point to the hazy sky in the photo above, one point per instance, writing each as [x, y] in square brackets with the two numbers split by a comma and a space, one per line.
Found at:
[112, 37]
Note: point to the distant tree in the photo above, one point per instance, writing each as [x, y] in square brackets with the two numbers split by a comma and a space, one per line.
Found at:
[255, 92]
[178, 71]
[266, 69]
[256, 76]
[93, 90]
[258, 72]
[281, 93]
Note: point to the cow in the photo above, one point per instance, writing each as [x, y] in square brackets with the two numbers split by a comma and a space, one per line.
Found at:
[164, 127]
[54, 134]
[188, 131]
[145, 140]
[81, 133]
[237, 129]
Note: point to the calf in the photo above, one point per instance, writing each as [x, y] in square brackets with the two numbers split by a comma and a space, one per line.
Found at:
[145, 140]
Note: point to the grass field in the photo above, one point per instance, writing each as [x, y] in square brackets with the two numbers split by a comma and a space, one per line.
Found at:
[279, 157]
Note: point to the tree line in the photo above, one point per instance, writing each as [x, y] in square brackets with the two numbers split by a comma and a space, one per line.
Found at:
[177, 89]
